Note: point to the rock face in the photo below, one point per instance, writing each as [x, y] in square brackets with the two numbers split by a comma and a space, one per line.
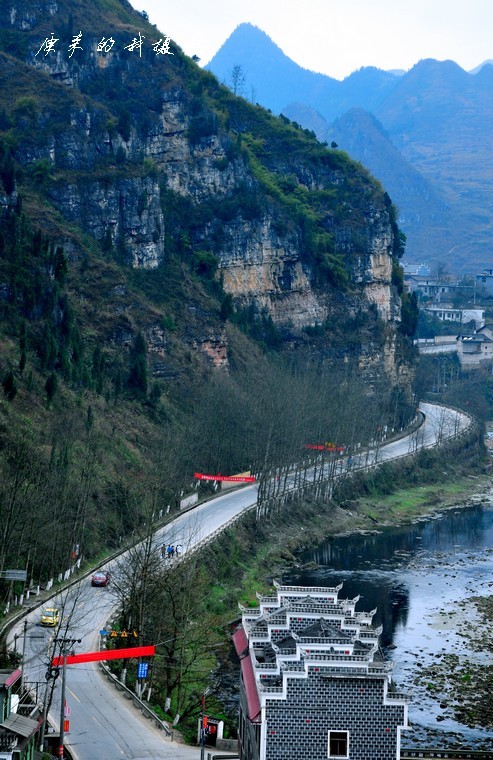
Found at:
[126, 212]
[259, 264]
[133, 127]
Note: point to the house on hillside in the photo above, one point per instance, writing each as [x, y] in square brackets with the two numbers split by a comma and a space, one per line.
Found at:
[475, 351]
[434, 289]
[484, 280]
[462, 316]
[423, 270]
[313, 681]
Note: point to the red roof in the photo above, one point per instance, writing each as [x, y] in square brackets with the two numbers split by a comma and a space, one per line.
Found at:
[240, 641]
[253, 702]
[9, 677]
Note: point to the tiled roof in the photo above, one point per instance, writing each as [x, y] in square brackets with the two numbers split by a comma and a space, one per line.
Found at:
[9, 677]
[288, 643]
[323, 629]
[20, 725]
[304, 634]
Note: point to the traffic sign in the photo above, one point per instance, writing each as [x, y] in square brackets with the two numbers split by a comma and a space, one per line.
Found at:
[14, 575]
[142, 670]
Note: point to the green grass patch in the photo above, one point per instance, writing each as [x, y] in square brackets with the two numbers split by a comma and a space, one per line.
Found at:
[411, 501]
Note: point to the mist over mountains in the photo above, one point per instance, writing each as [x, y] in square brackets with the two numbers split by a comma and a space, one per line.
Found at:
[426, 134]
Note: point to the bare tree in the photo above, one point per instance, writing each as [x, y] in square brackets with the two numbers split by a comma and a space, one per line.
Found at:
[237, 79]
[164, 601]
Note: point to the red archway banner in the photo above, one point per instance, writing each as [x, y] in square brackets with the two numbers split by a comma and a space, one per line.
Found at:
[225, 478]
[109, 654]
[324, 447]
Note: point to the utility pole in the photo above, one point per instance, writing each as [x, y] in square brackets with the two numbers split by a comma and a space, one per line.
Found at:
[64, 643]
[203, 725]
[44, 716]
[202, 730]
[62, 705]
[23, 656]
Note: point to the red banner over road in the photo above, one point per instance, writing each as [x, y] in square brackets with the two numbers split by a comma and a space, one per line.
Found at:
[108, 654]
[324, 447]
[229, 478]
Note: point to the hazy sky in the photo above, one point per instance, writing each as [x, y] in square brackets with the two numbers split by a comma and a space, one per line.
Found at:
[337, 37]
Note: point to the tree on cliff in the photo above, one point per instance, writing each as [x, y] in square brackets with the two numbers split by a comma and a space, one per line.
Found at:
[137, 376]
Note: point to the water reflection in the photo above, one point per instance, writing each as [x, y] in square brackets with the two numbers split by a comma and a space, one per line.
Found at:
[451, 532]
[414, 576]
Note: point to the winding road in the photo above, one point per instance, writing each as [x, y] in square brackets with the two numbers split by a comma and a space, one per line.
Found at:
[103, 723]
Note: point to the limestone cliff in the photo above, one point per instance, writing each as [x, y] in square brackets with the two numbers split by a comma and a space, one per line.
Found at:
[153, 159]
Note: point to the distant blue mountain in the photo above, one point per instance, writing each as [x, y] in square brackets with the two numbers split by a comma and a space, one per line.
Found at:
[274, 80]
[431, 143]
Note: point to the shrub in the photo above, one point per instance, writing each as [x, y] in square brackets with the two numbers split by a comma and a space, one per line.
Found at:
[9, 386]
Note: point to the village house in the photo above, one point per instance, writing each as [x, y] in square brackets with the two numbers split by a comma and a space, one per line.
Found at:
[476, 350]
[18, 731]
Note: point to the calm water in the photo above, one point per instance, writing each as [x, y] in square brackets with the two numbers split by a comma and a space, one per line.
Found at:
[414, 576]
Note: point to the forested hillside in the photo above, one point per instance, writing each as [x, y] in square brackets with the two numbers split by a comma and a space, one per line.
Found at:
[186, 283]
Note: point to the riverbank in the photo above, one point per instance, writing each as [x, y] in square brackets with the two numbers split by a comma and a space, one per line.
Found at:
[250, 554]
[464, 679]
[313, 523]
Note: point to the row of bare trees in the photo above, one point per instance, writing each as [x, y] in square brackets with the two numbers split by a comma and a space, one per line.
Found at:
[45, 497]
[166, 602]
[65, 490]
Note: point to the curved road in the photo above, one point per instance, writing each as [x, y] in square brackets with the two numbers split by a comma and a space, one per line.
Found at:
[103, 724]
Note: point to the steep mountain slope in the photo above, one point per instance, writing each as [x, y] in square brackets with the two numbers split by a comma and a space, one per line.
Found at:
[436, 115]
[440, 118]
[421, 208]
[178, 269]
[131, 144]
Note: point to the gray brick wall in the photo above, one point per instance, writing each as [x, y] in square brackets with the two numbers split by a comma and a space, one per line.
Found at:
[298, 728]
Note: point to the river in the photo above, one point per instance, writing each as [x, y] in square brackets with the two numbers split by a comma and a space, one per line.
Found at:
[418, 578]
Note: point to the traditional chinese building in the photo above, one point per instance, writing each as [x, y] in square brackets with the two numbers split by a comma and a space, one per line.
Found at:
[313, 682]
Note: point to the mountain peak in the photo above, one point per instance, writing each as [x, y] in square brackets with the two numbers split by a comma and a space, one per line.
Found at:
[429, 113]
[248, 31]
[273, 79]
[249, 41]
[476, 70]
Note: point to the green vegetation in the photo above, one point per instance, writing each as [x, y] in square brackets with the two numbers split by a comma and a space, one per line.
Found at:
[79, 401]
[408, 503]
[441, 378]
[110, 395]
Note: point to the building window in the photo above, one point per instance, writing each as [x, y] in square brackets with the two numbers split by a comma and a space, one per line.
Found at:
[338, 744]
